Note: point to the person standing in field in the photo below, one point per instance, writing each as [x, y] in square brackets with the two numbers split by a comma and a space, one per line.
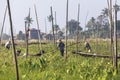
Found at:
[61, 46]
[87, 46]
[7, 45]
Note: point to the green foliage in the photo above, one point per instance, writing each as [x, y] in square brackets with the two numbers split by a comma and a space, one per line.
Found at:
[52, 66]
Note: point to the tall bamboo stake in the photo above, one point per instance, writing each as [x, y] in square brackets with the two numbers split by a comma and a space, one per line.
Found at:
[77, 29]
[97, 40]
[3, 26]
[13, 45]
[45, 27]
[46, 30]
[39, 39]
[27, 33]
[26, 39]
[53, 27]
[85, 26]
[115, 40]
[66, 37]
[111, 26]
[55, 18]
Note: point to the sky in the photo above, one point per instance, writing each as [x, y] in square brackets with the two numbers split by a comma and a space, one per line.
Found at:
[20, 9]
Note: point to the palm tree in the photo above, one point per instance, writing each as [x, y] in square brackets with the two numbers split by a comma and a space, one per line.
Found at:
[56, 27]
[28, 19]
[117, 7]
[105, 12]
[50, 18]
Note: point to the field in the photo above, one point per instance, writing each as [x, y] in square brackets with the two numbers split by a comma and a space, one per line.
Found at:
[52, 66]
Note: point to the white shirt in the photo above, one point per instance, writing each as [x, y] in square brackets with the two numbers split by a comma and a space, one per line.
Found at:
[7, 45]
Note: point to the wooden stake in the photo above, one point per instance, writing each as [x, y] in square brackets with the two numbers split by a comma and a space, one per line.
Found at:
[27, 33]
[45, 27]
[84, 38]
[3, 26]
[115, 40]
[26, 38]
[53, 27]
[39, 32]
[13, 45]
[66, 37]
[97, 40]
[55, 30]
[55, 18]
[111, 26]
[77, 29]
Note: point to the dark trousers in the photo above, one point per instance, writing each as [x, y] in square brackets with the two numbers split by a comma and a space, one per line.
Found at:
[7, 47]
[62, 52]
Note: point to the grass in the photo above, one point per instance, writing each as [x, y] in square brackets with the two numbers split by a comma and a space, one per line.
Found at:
[52, 66]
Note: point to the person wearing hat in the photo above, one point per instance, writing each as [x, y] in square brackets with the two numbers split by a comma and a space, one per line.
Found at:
[61, 46]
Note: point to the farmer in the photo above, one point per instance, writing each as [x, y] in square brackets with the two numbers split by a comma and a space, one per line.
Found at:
[61, 46]
[7, 45]
[18, 52]
[87, 46]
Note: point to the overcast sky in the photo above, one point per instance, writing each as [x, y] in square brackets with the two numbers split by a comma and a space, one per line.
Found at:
[20, 9]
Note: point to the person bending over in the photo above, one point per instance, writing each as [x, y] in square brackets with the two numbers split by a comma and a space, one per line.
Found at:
[7, 45]
[87, 46]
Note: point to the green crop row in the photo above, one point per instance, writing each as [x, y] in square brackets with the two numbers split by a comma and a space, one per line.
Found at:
[52, 66]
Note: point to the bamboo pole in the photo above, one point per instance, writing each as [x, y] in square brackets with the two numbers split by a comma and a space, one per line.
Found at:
[45, 27]
[46, 40]
[115, 40]
[39, 39]
[85, 26]
[97, 40]
[13, 45]
[111, 26]
[66, 37]
[77, 29]
[53, 27]
[55, 18]
[28, 32]
[26, 39]
[56, 29]
[2, 27]
[46, 31]
[27, 25]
